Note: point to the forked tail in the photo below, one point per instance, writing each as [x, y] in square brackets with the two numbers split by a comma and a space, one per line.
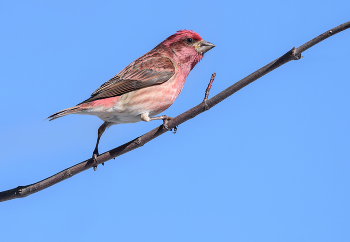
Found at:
[64, 112]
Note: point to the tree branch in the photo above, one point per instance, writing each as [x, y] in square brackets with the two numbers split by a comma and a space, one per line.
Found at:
[293, 54]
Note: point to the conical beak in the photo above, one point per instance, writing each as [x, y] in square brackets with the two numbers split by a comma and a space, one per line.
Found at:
[204, 46]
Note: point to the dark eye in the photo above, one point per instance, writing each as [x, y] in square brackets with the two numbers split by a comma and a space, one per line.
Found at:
[189, 40]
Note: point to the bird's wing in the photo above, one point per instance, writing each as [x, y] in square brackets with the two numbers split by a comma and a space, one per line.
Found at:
[142, 73]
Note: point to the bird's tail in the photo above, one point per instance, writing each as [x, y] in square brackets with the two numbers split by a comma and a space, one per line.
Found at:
[65, 112]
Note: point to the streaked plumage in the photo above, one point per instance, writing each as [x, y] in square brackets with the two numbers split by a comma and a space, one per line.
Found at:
[147, 86]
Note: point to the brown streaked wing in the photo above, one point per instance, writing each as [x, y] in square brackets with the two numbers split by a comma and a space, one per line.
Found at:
[143, 73]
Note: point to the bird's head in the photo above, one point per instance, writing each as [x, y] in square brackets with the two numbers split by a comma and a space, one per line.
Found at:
[188, 46]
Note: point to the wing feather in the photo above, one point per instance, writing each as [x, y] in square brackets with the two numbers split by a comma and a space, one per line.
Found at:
[144, 72]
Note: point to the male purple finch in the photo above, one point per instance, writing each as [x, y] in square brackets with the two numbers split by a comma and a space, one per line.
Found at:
[147, 86]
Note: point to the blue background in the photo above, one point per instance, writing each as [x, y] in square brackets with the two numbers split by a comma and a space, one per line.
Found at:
[270, 163]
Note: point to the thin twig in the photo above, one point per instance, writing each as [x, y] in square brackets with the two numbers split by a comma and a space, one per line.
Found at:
[208, 90]
[293, 54]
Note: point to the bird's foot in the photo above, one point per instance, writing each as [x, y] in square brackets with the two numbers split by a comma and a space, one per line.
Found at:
[95, 154]
[145, 117]
[94, 158]
[165, 121]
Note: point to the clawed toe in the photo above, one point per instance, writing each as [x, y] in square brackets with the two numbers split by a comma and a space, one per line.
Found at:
[165, 125]
[165, 122]
[175, 130]
[94, 158]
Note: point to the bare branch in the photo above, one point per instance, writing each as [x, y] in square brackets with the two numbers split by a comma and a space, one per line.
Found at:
[208, 90]
[293, 54]
[321, 37]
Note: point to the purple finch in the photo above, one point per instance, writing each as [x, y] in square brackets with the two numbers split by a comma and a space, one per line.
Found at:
[147, 86]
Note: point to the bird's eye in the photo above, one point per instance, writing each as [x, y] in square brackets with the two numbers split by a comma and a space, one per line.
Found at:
[189, 40]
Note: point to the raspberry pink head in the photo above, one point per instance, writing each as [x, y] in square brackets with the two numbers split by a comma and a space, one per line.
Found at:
[188, 46]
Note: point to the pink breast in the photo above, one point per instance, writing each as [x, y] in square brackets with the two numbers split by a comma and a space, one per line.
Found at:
[153, 99]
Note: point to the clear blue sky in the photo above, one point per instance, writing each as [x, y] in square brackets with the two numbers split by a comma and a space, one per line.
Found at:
[270, 163]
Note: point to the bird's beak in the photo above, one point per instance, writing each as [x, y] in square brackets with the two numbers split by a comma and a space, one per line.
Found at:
[203, 46]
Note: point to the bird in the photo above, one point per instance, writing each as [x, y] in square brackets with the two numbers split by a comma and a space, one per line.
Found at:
[146, 87]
